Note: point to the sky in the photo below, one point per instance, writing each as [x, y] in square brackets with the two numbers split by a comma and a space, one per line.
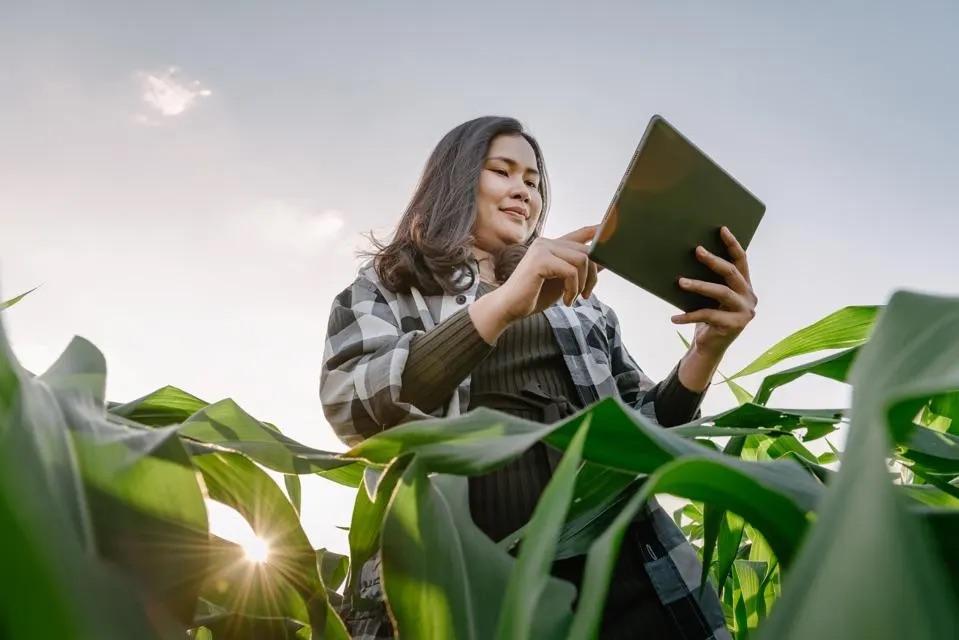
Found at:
[188, 182]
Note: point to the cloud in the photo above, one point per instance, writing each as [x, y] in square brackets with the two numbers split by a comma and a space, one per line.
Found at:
[167, 95]
[288, 227]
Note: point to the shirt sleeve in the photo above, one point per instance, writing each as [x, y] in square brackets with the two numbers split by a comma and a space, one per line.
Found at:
[674, 403]
[667, 403]
[363, 361]
[440, 359]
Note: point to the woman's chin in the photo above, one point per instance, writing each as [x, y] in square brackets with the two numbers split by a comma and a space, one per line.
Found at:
[516, 234]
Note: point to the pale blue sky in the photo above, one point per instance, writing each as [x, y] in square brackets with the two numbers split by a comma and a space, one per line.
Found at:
[202, 248]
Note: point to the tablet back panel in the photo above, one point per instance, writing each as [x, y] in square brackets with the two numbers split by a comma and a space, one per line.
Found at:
[672, 198]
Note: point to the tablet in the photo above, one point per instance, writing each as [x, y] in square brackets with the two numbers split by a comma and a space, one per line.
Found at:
[672, 198]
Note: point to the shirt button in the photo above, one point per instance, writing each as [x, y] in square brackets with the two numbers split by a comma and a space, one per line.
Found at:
[461, 299]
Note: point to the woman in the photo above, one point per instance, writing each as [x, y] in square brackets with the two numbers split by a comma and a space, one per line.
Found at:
[468, 306]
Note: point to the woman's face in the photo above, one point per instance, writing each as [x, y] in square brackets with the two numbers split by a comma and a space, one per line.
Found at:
[508, 202]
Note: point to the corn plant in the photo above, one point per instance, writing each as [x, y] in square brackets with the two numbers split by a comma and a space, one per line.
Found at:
[104, 531]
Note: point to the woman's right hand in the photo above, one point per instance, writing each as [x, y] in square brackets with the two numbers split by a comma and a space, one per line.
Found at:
[550, 269]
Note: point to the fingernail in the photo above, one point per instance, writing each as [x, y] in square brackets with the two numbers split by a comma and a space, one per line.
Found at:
[683, 282]
[701, 250]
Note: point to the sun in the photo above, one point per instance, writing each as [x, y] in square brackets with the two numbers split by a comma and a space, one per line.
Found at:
[230, 525]
[256, 550]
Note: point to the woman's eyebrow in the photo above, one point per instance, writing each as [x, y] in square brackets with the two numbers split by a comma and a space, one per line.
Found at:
[513, 163]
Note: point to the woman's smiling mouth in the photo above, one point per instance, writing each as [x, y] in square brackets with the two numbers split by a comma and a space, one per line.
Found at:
[517, 212]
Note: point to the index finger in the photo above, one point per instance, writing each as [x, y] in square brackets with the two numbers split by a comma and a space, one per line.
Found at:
[583, 234]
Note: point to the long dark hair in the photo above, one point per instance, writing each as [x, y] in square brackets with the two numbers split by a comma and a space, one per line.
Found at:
[431, 246]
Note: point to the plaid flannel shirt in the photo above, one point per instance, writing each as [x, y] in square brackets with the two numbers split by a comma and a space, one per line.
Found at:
[367, 345]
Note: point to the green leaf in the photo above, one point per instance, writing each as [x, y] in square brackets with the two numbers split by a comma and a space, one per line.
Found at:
[146, 506]
[469, 444]
[294, 490]
[714, 515]
[444, 578]
[835, 367]
[581, 529]
[742, 396]
[80, 372]
[530, 575]
[367, 523]
[239, 626]
[626, 440]
[235, 585]
[848, 327]
[165, 406]
[620, 438]
[936, 452]
[226, 425]
[42, 553]
[931, 495]
[46, 535]
[816, 430]
[6, 304]
[752, 415]
[747, 579]
[709, 480]
[778, 447]
[947, 406]
[943, 528]
[706, 431]
[730, 537]
[235, 481]
[333, 568]
[864, 535]
[141, 491]
[31, 408]
[828, 458]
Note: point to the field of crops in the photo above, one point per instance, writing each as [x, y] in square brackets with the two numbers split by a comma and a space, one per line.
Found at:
[104, 531]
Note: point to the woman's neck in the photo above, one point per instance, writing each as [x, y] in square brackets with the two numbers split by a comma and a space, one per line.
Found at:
[484, 260]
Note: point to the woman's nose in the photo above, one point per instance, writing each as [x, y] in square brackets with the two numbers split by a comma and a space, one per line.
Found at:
[519, 191]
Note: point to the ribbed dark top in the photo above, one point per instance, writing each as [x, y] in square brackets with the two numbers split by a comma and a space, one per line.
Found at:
[525, 355]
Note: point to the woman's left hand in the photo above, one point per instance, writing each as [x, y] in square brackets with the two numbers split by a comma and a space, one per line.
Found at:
[717, 328]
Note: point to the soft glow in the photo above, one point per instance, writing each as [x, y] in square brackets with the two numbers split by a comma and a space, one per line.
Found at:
[256, 550]
[230, 525]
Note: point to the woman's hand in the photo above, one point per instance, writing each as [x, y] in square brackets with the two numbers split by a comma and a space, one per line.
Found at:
[717, 328]
[550, 269]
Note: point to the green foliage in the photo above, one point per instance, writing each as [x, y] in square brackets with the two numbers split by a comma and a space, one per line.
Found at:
[5, 304]
[104, 532]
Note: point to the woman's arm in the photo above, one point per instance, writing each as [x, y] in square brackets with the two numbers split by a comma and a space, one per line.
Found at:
[697, 367]
[668, 402]
[441, 358]
[363, 360]
[375, 375]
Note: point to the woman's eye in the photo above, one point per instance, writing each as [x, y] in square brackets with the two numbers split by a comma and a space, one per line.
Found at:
[531, 183]
[501, 172]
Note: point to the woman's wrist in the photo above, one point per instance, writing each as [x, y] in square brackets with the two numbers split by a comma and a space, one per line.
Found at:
[697, 367]
[488, 316]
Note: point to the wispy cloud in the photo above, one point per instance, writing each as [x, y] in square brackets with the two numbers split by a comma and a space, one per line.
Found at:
[290, 227]
[167, 95]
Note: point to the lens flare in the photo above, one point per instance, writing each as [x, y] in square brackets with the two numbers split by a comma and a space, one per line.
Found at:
[256, 550]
